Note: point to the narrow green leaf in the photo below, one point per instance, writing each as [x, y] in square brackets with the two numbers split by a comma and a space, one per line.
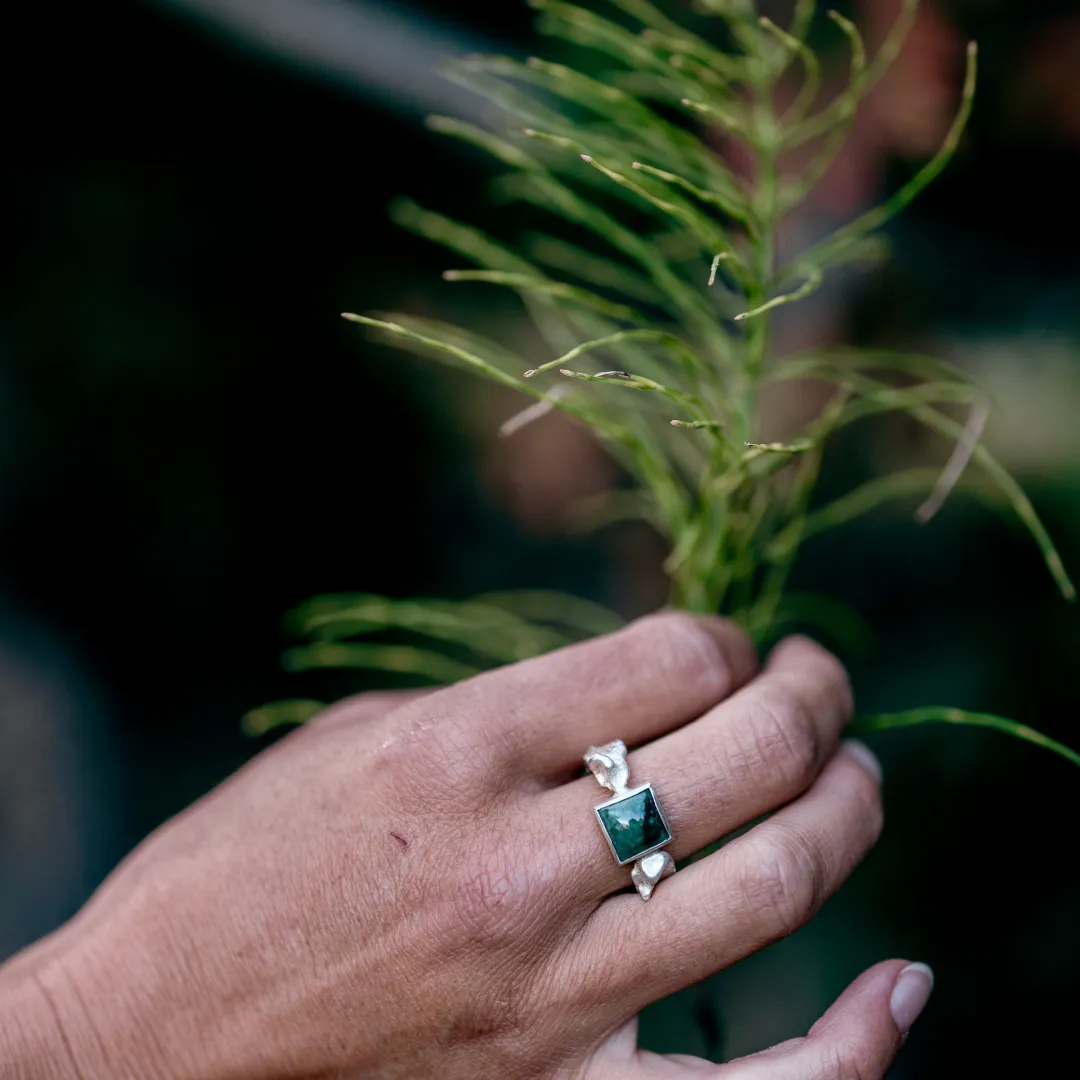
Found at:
[688, 359]
[714, 71]
[475, 73]
[810, 285]
[755, 450]
[632, 122]
[486, 630]
[691, 404]
[877, 397]
[402, 659]
[728, 200]
[559, 289]
[728, 116]
[762, 614]
[649, 15]
[600, 272]
[835, 123]
[684, 300]
[711, 235]
[795, 46]
[828, 363]
[564, 609]
[1012, 491]
[882, 399]
[893, 42]
[635, 455]
[613, 507]
[908, 483]
[851, 632]
[829, 250]
[464, 239]
[837, 115]
[801, 18]
[465, 357]
[587, 29]
[941, 714]
[279, 714]
[504, 151]
[469, 340]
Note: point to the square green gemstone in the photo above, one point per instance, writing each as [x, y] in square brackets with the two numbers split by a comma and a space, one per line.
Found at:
[633, 824]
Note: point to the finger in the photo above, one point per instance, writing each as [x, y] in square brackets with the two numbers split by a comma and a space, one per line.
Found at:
[760, 887]
[859, 1036]
[755, 751]
[640, 682]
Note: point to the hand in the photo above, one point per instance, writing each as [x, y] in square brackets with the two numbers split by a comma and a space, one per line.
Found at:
[417, 886]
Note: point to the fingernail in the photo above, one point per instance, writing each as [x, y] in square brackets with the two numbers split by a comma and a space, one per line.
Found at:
[910, 995]
[865, 757]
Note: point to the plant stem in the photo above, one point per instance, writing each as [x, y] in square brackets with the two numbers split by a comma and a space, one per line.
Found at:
[763, 234]
[725, 521]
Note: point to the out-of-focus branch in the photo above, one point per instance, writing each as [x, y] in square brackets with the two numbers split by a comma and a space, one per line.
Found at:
[376, 50]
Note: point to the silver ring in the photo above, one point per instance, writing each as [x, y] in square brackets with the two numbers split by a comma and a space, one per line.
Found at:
[631, 820]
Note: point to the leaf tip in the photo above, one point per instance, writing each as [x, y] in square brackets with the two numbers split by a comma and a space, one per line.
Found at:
[530, 373]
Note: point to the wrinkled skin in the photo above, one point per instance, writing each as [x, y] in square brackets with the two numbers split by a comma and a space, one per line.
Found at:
[415, 885]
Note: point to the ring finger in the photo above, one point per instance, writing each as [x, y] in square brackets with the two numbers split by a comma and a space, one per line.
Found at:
[756, 889]
[755, 751]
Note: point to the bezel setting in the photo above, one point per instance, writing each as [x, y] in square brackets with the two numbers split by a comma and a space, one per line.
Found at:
[625, 796]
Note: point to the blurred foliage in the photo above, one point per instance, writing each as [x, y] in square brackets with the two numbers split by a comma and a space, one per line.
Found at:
[189, 447]
[625, 158]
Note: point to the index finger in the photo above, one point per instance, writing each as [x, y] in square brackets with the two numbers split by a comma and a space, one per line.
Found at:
[654, 675]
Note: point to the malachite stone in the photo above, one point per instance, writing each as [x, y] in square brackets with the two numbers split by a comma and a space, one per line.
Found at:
[633, 824]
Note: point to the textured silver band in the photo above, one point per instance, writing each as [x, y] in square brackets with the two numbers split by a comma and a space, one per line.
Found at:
[642, 824]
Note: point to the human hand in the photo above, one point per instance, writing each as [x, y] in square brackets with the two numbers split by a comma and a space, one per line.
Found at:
[414, 886]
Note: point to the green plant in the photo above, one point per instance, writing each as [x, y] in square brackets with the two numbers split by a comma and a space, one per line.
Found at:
[662, 322]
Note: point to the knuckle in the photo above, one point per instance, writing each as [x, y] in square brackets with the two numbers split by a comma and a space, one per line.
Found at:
[868, 805]
[846, 1060]
[837, 685]
[821, 672]
[493, 896]
[432, 750]
[692, 656]
[782, 741]
[783, 883]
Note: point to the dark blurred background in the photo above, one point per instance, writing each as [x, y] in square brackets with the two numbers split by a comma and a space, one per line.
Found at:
[191, 441]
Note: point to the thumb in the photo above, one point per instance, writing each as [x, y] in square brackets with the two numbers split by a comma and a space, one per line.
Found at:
[859, 1036]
